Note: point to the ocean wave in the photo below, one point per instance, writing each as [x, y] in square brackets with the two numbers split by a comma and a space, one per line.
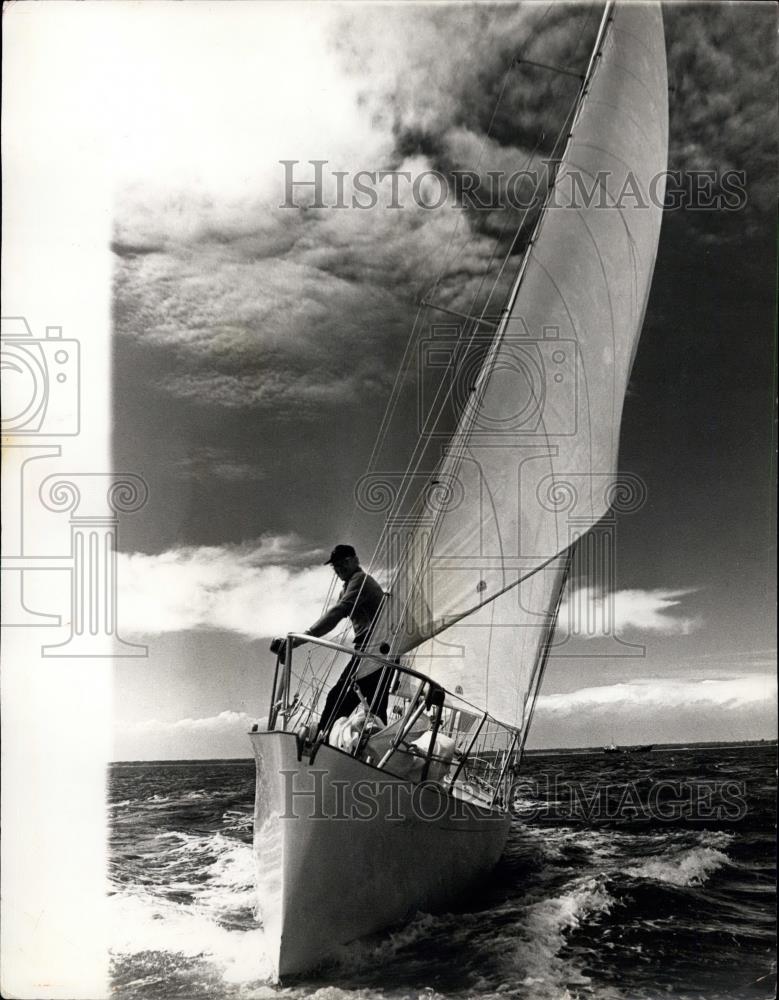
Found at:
[341, 993]
[544, 929]
[571, 911]
[553, 842]
[526, 942]
[216, 871]
[199, 795]
[176, 799]
[715, 838]
[383, 948]
[686, 868]
[667, 855]
[142, 922]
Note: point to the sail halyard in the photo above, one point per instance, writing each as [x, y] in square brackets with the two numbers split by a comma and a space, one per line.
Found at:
[567, 336]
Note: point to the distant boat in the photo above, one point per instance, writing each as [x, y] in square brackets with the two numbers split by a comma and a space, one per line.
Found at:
[361, 825]
[643, 748]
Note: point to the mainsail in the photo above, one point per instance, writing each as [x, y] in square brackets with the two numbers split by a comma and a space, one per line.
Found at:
[491, 656]
[533, 461]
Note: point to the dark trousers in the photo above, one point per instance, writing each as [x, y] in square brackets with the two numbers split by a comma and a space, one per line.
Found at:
[342, 699]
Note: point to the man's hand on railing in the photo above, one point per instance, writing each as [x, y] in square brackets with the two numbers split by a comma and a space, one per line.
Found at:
[279, 646]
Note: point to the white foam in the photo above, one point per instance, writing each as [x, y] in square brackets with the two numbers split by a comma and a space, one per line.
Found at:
[685, 865]
[141, 922]
[553, 841]
[688, 867]
[715, 838]
[546, 925]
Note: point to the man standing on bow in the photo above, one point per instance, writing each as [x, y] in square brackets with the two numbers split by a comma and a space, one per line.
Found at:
[360, 601]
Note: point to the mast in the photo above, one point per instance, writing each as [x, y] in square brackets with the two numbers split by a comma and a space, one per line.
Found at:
[512, 297]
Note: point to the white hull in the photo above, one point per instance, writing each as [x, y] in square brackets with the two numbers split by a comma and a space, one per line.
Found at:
[344, 849]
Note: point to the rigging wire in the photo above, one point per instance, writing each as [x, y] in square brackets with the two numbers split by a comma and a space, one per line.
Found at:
[457, 454]
[447, 264]
[418, 454]
[437, 406]
[417, 458]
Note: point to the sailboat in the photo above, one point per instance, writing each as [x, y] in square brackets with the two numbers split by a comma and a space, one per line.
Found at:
[361, 826]
[639, 748]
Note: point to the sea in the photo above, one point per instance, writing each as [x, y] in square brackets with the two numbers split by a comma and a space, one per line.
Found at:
[627, 876]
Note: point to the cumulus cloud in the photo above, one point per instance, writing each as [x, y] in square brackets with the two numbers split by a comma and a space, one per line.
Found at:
[217, 736]
[736, 693]
[275, 584]
[224, 722]
[658, 709]
[261, 588]
[653, 611]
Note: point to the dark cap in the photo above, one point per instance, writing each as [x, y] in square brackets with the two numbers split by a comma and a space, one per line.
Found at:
[341, 552]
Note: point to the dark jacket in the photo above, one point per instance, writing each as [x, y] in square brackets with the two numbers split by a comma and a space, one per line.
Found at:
[360, 600]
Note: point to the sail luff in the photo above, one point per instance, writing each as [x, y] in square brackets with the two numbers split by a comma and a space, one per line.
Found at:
[541, 661]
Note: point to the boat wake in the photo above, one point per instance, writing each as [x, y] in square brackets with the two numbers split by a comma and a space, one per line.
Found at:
[570, 912]
[200, 917]
[201, 914]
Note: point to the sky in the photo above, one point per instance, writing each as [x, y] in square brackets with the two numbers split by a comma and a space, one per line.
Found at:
[255, 347]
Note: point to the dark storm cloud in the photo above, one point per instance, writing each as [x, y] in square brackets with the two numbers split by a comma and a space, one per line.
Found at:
[722, 78]
[303, 308]
[449, 67]
[722, 85]
[307, 308]
[267, 306]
